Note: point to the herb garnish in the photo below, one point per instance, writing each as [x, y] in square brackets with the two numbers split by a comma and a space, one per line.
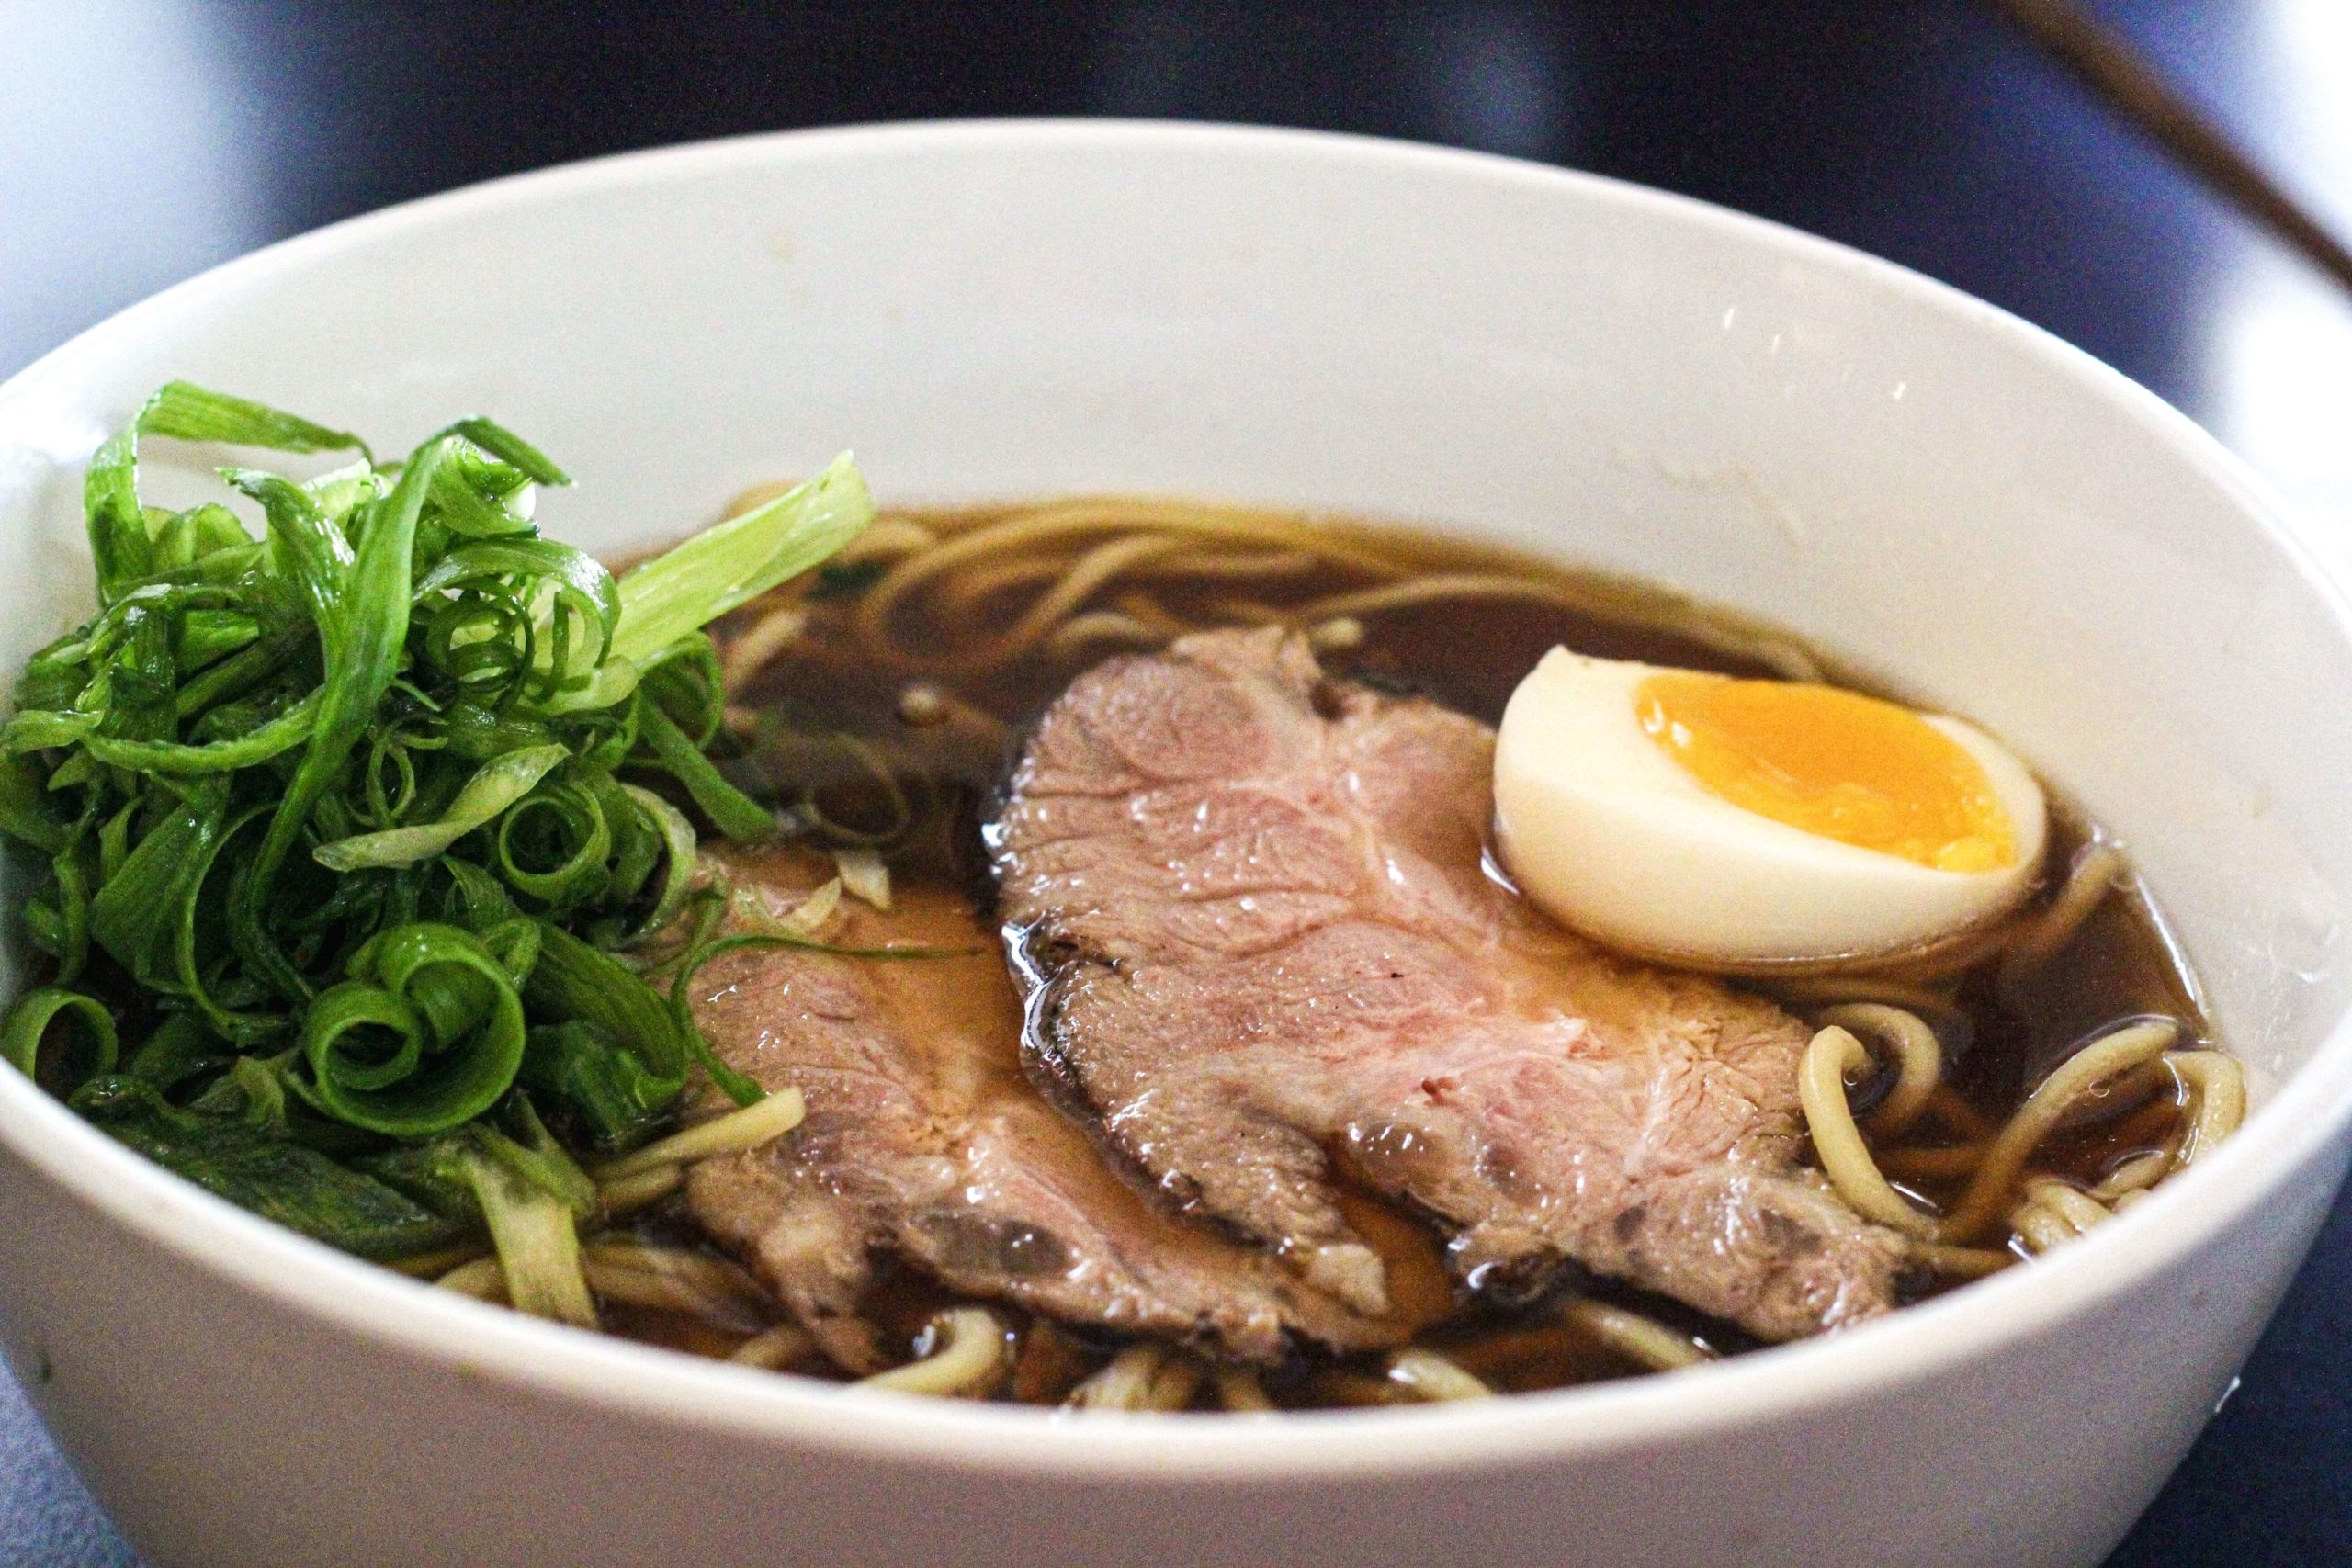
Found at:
[347, 825]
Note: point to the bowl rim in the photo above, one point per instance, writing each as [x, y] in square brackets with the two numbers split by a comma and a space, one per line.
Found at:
[2296, 1126]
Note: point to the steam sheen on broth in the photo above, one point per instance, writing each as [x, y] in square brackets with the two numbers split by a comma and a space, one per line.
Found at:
[1989, 1101]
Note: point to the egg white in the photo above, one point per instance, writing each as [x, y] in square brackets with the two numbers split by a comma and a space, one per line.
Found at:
[1606, 832]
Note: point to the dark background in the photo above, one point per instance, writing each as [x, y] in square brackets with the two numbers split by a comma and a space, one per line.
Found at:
[142, 140]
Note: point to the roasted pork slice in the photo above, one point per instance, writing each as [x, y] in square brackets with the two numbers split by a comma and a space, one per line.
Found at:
[1266, 943]
[924, 1141]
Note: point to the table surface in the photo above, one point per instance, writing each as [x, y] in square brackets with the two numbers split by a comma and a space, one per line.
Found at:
[143, 140]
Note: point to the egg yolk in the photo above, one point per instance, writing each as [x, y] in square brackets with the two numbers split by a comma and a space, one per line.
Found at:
[1833, 763]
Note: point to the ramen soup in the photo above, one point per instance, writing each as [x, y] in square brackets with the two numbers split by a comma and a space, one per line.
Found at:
[1100, 1114]
[1129, 955]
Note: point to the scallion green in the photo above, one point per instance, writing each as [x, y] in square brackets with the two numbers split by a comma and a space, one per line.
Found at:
[339, 813]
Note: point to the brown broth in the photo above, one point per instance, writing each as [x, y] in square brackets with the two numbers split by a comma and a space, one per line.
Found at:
[1469, 657]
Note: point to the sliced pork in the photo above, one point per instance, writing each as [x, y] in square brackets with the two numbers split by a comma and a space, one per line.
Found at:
[1253, 904]
[924, 1141]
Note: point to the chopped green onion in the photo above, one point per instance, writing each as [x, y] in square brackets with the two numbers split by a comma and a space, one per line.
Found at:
[87, 1055]
[494, 786]
[537, 1243]
[266, 1171]
[688, 587]
[428, 1036]
[333, 813]
[738, 1132]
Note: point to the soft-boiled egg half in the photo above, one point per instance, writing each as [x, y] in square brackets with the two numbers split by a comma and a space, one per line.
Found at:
[1731, 823]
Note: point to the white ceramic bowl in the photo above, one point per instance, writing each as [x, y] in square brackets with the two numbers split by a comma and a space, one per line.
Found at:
[1613, 376]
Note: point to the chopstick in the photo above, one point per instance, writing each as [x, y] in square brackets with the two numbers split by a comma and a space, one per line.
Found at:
[2114, 71]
